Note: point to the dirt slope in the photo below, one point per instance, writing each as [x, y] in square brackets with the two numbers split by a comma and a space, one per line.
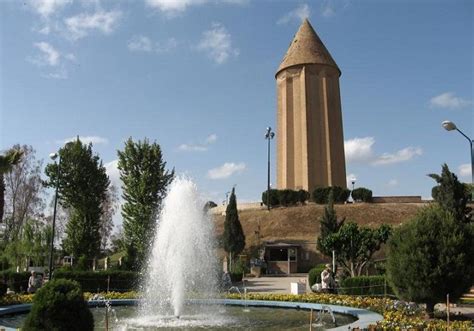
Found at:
[301, 223]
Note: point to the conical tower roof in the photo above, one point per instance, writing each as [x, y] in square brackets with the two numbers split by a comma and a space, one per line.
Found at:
[307, 48]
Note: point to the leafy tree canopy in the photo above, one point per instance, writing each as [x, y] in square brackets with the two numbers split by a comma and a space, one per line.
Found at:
[354, 246]
[145, 180]
[83, 184]
[451, 194]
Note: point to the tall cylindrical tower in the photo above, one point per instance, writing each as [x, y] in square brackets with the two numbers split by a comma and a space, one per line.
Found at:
[310, 141]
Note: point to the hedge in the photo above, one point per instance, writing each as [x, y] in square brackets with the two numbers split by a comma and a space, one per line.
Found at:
[362, 194]
[321, 194]
[314, 275]
[365, 285]
[93, 281]
[16, 281]
[285, 197]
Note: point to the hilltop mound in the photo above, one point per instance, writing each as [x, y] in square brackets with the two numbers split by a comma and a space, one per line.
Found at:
[301, 223]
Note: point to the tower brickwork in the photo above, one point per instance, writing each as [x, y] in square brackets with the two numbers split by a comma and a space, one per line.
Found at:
[310, 141]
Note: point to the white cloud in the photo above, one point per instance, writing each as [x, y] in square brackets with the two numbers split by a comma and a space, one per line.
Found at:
[464, 170]
[449, 100]
[172, 8]
[212, 138]
[402, 155]
[392, 182]
[140, 44]
[145, 44]
[167, 46]
[192, 148]
[202, 147]
[298, 14]
[51, 58]
[49, 55]
[217, 43]
[61, 73]
[95, 140]
[359, 149]
[81, 25]
[327, 10]
[47, 8]
[226, 170]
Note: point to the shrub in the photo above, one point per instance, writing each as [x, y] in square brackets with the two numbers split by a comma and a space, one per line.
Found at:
[91, 281]
[430, 256]
[285, 197]
[365, 285]
[321, 194]
[362, 194]
[303, 196]
[314, 275]
[274, 199]
[59, 305]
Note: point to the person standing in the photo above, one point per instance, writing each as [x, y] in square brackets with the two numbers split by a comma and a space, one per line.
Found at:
[34, 283]
[327, 280]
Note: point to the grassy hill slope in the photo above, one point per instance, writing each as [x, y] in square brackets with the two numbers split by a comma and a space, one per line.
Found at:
[301, 223]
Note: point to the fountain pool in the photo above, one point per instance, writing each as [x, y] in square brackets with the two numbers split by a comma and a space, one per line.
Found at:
[224, 317]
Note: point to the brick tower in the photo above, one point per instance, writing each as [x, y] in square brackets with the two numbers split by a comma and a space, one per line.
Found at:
[310, 141]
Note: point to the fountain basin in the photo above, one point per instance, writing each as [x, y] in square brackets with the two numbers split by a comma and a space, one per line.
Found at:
[363, 317]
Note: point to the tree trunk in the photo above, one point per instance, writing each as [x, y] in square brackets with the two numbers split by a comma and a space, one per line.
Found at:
[2, 196]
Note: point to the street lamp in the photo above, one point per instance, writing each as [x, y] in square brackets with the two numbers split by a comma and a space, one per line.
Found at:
[450, 126]
[353, 181]
[269, 136]
[53, 157]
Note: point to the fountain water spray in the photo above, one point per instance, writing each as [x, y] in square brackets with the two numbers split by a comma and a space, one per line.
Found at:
[182, 262]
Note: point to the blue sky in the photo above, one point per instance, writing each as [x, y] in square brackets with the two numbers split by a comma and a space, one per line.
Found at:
[197, 76]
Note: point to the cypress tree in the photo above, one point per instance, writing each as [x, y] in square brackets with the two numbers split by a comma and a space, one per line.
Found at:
[234, 237]
[329, 224]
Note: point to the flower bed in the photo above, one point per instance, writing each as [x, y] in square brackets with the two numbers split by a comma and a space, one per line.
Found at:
[397, 314]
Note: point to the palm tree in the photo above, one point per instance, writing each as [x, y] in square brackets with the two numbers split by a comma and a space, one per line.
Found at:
[7, 161]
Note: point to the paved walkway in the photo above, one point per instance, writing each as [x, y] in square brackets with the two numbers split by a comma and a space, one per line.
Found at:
[273, 284]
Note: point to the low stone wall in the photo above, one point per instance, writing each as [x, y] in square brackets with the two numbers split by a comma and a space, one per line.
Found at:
[398, 199]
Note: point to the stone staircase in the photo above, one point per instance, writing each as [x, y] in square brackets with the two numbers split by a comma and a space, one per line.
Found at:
[468, 298]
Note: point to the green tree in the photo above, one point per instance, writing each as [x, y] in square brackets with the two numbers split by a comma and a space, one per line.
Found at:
[329, 224]
[234, 237]
[431, 256]
[145, 179]
[82, 190]
[355, 246]
[7, 161]
[451, 194]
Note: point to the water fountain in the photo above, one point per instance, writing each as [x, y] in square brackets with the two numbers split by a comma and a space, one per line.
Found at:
[182, 263]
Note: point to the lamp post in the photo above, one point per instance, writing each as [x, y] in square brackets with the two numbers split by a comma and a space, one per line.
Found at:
[450, 126]
[353, 181]
[269, 136]
[54, 156]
